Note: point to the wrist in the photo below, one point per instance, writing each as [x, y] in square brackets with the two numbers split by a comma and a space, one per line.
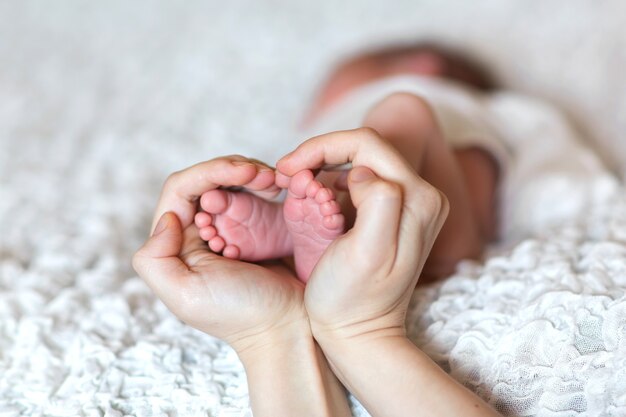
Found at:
[288, 375]
[346, 335]
[346, 347]
[272, 342]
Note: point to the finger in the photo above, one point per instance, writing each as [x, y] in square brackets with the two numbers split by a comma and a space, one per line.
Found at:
[194, 249]
[282, 180]
[424, 214]
[183, 188]
[361, 147]
[158, 262]
[262, 180]
[379, 207]
[341, 182]
[263, 185]
[337, 168]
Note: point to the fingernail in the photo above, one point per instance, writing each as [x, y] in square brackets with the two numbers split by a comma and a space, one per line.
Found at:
[284, 160]
[241, 163]
[361, 174]
[162, 224]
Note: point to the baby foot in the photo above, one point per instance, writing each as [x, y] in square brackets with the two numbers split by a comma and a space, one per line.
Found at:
[243, 226]
[313, 219]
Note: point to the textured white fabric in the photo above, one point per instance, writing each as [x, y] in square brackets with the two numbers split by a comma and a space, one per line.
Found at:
[99, 102]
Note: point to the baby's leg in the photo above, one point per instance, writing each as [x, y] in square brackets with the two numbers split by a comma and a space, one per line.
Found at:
[408, 123]
[244, 225]
[481, 173]
[313, 218]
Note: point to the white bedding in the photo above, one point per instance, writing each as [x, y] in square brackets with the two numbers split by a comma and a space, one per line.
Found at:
[99, 103]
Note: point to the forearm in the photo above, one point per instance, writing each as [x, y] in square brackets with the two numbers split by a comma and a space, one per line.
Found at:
[392, 377]
[290, 377]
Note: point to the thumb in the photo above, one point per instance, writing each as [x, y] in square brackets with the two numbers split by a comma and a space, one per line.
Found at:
[167, 238]
[379, 205]
[157, 262]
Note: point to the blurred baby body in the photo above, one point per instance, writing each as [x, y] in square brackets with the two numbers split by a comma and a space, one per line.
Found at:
[544, 174]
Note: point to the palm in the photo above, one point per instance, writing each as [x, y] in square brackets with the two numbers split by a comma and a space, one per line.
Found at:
[335, 291]
[248, 297]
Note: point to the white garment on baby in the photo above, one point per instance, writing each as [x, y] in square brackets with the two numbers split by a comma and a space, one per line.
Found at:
[459, 110]
[553, 177]
[547, 175]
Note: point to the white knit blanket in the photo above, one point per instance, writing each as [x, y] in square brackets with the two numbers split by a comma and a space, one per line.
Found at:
[99, 103]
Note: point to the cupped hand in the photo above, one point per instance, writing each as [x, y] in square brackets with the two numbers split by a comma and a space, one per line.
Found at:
[363, 282]
[241, 303]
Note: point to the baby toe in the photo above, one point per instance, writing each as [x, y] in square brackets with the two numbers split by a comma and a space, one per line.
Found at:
[299, 183]
[324, 195]
[203, 219]
[231, 251]
[334, 221]
[329, 208]
[217, 244]
[313, 188]
[207, 233]
[215, 201]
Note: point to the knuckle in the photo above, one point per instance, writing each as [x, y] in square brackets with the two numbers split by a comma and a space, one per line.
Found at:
[232, 157]
[372, 140]
[367, 131]
[387, 190]
[435, 198]
[218, 163]
[369, 134]
[435, 203]
[173, 179]
[172, 183]
[137, 260]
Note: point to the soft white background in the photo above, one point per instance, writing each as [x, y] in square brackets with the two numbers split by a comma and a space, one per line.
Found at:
[100, 101]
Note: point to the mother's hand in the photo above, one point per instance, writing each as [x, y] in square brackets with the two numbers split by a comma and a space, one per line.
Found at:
[363, 282]
[358, 294]
[242, 303]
